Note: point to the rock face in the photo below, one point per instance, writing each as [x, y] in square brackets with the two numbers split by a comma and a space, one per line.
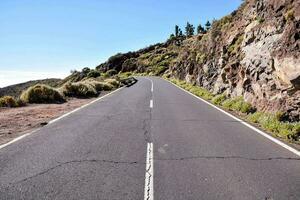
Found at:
[254, 52]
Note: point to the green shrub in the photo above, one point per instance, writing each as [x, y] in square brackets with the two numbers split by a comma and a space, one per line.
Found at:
[255, 117]
[173, 81]
[166, 76]
[219, 99]
[198, 91]
[296, 128]
[156, 59]
[200, 58]
[107, 86]
[101, 86]
[145, 55]
[225, 21]
[8, 101]
[112, 72]
[279, 115]
[260, 20]
[271, 123]
[85, 70]
[289, 15]
[93, 74]
[282, 129]
[242, 106]
[105, 75]
[124, 75]
[20, 102]
[142, 74]
[41, 94]
[79, 89]
[158, 70]
[295, 135]
[228, 104]
[113, 82]
[237, 104]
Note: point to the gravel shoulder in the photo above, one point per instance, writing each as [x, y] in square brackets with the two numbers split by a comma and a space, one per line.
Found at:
[18, 121]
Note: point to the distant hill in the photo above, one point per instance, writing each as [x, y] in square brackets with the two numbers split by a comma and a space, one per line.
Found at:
[16, 90]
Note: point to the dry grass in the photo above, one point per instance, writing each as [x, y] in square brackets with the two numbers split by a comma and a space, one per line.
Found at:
[78, 89]
[8, 101]
[42, 94]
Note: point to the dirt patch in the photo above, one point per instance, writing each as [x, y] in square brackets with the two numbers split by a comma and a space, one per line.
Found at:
[17, 121]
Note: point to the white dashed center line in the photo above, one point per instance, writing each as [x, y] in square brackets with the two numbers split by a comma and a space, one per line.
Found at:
[148, 194]
[151, 86]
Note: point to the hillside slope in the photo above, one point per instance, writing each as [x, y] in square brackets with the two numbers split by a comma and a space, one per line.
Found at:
[16, 90]
[254, 52]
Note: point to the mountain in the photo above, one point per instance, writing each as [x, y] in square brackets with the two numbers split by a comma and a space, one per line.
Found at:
[253, 52]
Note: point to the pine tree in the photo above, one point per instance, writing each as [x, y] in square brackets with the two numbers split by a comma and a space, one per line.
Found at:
[207, 25]
[172, 36]
[177, 31]
[192, 30]
[189, 29]
[200, 29]
[180, 33]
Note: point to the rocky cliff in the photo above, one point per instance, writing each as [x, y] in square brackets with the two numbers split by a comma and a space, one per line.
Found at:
[254, 52]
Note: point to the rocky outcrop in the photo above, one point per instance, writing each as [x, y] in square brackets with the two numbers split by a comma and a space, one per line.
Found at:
[288, 71]
[254, 52]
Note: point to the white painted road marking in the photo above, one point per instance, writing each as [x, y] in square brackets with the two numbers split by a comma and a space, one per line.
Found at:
[151, 86]
[245, 123]
[54, 120]
[151, 103]
[151, 83]
[17, 139]
[148, 193]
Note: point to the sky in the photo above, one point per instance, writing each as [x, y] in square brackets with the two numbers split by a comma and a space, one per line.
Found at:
[48, 38]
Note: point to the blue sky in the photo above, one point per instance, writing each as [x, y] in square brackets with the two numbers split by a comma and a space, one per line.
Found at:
[40, 38]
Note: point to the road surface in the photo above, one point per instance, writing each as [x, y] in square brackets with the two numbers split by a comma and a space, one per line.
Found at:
[149, 141]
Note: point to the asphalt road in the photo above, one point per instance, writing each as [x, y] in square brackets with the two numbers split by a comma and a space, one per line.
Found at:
[194, 152]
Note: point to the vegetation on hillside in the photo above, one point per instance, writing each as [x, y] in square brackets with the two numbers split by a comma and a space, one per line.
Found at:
[80, 84]
[16, 90]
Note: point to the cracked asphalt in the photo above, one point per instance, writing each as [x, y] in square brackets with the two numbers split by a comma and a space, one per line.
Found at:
[100, 152]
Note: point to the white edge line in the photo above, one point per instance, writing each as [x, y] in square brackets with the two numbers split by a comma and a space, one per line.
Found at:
[245, 123]
[66, 114]
[54, 120]
[148, 192]
[17, 139]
